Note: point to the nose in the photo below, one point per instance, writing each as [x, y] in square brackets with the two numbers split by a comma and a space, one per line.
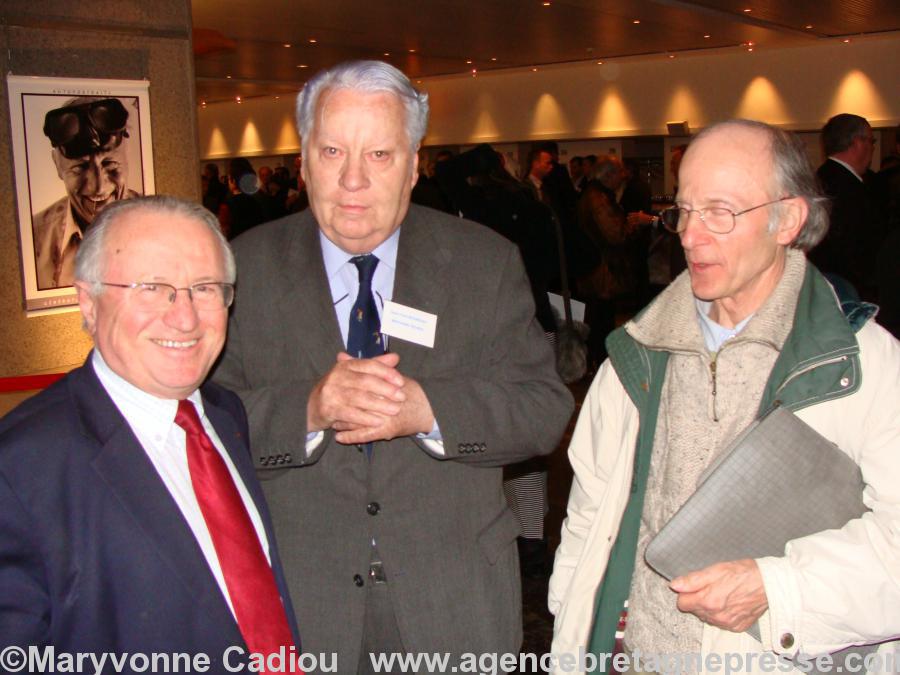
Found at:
[181, 314]
[96, 181]
[354, 174]
[694, 231]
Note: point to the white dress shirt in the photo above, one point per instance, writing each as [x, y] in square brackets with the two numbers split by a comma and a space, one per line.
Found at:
[152, 420]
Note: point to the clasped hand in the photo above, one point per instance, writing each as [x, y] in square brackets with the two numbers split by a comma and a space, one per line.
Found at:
[367, 400]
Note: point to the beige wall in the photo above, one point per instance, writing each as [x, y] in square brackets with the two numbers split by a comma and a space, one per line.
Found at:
[60, 38]
[798, 88]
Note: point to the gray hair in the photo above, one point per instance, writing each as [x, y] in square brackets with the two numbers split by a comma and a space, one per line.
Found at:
[841, 130]
[606, 166]
[792, 174]
[369, 77]
[90, 260]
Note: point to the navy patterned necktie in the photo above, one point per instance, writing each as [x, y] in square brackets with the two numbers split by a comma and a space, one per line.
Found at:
[364, 337]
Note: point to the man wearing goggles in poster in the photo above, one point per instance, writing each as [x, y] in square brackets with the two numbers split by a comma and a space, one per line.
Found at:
[90, 139]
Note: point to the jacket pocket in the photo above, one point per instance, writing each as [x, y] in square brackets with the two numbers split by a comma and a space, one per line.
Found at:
[497, 535]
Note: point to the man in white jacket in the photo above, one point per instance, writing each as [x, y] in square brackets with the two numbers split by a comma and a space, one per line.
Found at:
[748, 324]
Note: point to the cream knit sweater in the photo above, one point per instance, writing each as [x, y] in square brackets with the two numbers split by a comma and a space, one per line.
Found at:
[707, 399]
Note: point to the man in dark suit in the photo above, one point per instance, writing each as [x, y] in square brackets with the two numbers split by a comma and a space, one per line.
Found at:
[856, 223]
[382, 468]
[131, 520]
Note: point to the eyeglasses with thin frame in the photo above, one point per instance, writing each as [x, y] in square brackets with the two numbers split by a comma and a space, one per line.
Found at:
[717, 219]
[156, 296]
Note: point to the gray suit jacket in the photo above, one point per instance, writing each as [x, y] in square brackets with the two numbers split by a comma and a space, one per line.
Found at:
[444, 532]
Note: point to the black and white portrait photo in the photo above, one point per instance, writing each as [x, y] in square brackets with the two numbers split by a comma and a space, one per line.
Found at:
[82, 145]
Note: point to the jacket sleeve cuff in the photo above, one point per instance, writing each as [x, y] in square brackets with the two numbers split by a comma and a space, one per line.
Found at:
[780, 626]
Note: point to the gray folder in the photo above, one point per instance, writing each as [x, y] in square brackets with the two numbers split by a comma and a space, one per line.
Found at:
[778, 480]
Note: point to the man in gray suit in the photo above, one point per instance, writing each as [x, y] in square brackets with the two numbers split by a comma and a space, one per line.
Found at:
[382, 467]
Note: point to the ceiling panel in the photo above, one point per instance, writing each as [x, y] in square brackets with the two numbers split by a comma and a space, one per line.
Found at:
[427, 38]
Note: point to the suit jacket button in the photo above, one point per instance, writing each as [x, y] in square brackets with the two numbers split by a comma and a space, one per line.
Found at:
[263, 460]
[372, 508]
[358, 580]
[482, 447]
[288, 458]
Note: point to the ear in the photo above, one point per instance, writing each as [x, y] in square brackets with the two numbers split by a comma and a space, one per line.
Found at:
[88, 306]
[303, 172]
[415, 169]
[793, 216]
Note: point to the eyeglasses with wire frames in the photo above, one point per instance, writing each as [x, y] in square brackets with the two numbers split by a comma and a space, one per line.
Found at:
[717, 219]
[156, 296]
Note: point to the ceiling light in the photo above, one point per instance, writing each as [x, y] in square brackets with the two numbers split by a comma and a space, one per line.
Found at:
[312, 41]
[671, 56]
[749, 49]
[303, 65]
[202, 102]
[493, 58]
[237, 98]
[228, 77]
[808, 26]
[749, 44]
[387, 54]
[469, 61]
[287, 44]
[599, 63]
[748, 10]
[707, 36]
[636, 21]
[412, 51]
[534, 70]
[546, 4]
[846, 40]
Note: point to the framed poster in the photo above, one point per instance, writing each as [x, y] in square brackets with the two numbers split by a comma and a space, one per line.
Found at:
[78, 145]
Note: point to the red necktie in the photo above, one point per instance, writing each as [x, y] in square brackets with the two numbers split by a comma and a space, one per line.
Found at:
[248, 576]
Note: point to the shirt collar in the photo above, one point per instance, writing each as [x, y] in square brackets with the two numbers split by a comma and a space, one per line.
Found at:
[335, 257]
[848, 167]
[133, 402]
[714, 334]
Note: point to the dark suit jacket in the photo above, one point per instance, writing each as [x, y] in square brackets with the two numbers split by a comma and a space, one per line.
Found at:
[95, 555]
[444, 531]
[855, 228]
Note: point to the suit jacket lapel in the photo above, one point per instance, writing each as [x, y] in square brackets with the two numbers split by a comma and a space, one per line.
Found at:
[131, 477]
[306, 297]
[419, 281]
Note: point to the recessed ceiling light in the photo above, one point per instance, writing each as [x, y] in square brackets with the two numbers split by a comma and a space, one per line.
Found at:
[469, 61]
[287, 44]
[599, 63]
[493, 58]
[237, 98]
[418, 81]
[546, 4]
[671, 56]
[303, 65]
[228, 77]
[749, 44]
[474, 71]
[202, 102]
[808, 26]
[636, 21]
[749, 49]
[707, 36]
[748, 10]
[387, 54]
[412, 51]
[846, 40]
[312, 41]
[534, 70]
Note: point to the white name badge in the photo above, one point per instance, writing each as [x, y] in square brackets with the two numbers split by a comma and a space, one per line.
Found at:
[406, 323]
